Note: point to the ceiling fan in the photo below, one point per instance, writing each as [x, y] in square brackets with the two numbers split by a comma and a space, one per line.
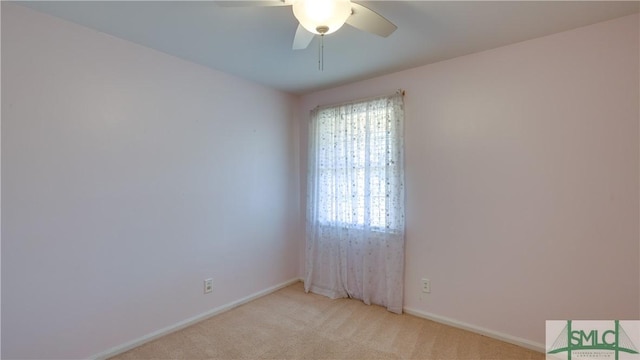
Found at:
[321, 17]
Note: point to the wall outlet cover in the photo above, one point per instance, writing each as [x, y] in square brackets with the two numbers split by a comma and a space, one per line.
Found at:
[426, 285]
[208, 286]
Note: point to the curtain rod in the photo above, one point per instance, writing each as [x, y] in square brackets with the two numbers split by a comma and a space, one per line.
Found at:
[397, 92]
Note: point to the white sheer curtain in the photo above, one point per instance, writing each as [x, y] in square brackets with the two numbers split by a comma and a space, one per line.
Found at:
[355, 202]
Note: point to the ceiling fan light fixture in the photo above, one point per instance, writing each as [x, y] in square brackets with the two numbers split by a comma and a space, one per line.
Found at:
[322, 16]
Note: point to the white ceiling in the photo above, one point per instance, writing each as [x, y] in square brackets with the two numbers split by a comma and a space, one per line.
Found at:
[255, 43]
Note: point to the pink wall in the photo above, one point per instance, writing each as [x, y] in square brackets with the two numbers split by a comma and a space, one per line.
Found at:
[129, 176]
[522, 179]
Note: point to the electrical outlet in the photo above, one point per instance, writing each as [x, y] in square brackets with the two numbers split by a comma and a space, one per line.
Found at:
[426, 286]
[208, 286]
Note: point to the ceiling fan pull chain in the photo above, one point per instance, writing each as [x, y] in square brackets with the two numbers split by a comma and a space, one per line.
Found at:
[322, 30]
[321, 53]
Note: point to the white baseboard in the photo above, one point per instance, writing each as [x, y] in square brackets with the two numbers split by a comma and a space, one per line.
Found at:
[478, 330]
[190, 321]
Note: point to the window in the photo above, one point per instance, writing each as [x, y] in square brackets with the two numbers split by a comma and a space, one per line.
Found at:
[357, 164]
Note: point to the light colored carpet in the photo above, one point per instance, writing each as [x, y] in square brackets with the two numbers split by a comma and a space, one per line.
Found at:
[290, 324]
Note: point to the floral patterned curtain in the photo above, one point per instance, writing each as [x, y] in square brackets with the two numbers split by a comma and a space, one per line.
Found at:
[355, 202]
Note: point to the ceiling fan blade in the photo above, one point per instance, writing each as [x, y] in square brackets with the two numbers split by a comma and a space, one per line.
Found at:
[368, 20]
[243, 3]
[302, 39]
